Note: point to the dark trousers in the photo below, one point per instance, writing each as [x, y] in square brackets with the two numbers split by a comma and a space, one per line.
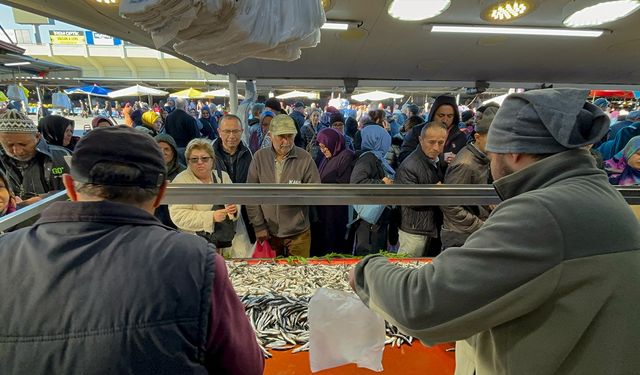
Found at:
[370, 238]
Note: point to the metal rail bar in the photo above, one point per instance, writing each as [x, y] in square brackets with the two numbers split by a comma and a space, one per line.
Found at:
[24, 214]
[314, 194]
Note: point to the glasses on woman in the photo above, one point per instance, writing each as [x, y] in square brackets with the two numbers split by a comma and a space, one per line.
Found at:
[204, 159]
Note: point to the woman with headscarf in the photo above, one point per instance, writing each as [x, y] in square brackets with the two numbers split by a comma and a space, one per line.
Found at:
[209, 123]
[259, 132]
[329, 233]
[624, 168]
[372, 167]
[58, 131]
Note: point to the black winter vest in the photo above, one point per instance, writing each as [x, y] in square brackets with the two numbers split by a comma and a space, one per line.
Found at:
[103, 290]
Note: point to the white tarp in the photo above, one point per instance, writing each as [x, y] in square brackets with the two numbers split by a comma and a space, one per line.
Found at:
[137, 90]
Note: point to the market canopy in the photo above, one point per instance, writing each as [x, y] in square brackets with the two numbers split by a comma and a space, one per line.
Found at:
[376, 95]
[298, 94]
[222, 93]
[137, 90]
[93, 90]
[189, 93]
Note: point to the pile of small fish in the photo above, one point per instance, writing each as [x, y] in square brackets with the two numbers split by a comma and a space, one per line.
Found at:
[276, 299]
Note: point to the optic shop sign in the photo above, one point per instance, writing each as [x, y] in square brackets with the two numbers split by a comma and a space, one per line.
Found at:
[82, 37]
[67, 37]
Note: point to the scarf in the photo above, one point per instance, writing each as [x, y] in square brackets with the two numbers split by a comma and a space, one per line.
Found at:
[378, 141]
[621, 173]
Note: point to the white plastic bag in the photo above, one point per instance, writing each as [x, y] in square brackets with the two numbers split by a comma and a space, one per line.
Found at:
[342, 331]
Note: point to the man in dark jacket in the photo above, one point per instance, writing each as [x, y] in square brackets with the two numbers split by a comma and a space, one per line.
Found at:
[182, 127]
[138, 297]
[471, 167]
[33, 167]
[419, 224]
[298, 118]
[170, 154]
[233, 157]
[445, 110]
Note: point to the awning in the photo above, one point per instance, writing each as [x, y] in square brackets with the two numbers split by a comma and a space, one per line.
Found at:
[137, 90]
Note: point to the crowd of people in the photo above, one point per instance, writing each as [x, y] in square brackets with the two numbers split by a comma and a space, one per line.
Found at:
[304, 144]
[99, 284]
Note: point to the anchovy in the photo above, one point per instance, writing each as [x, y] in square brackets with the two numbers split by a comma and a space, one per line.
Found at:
[276, 301]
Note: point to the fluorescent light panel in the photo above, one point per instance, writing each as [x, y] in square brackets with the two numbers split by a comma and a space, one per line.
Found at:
[535, 31]
[17, 63]
[335, 26]
[417, 10]
[600, 13]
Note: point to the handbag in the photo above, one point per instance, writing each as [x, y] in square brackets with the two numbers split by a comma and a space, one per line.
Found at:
[263, 250]
[224, 231]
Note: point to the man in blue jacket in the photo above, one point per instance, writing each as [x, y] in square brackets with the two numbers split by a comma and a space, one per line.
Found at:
[98, 285]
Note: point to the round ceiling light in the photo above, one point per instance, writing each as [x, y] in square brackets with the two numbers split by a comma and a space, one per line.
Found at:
[506, 11]
[590, 13]
[417, 10]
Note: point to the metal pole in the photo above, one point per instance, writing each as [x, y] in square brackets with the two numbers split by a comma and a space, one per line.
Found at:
[38, 92]
[233, 93]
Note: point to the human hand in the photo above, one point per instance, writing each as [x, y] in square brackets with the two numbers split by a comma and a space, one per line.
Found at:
[31, 200]
[262, 235]
[387, 180]
[219, 215]
[449, 156]
[352, 279]
[231, 209]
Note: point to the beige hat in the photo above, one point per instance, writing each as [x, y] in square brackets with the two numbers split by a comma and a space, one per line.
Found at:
[282, 124]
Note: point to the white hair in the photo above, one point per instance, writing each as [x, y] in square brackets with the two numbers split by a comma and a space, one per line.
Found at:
[181, 104]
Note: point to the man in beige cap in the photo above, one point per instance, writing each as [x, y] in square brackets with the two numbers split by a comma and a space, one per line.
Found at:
[285, 227]
[32, 166]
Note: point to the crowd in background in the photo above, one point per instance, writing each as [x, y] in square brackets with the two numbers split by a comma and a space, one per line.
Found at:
[355, 144]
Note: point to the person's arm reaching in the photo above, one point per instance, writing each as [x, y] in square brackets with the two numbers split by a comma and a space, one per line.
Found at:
[231, 345]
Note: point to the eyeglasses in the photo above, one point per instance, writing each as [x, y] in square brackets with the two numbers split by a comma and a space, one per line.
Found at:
[204, 159]
[227, 132]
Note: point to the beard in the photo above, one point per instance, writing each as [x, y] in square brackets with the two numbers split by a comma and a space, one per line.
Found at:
[499, 167]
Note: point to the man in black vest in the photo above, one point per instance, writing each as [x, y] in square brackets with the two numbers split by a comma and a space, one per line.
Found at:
[98, 285]
[33, 167]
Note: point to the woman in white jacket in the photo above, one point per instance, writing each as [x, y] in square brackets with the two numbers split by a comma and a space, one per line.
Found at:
[194, 218]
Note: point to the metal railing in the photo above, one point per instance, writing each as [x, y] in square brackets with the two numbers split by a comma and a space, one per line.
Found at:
[313, 194]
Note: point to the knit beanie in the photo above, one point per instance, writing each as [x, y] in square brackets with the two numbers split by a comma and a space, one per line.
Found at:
[12, 121]
[546, 121]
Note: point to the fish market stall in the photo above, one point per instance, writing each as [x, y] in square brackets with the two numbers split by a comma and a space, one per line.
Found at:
[276, 295]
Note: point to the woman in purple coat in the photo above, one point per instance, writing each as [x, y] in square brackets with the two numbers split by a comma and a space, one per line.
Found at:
[330, 231]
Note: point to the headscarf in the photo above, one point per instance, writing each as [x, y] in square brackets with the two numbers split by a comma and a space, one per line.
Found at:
[210, 125]
[11, 206]
[149, 118]
[259, 136]
[621, 173]
[53, 127]
[96, 120]
[377, 140]
[334, 141]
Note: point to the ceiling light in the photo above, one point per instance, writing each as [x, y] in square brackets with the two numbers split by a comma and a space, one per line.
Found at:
[108, 2]
[507, 11]
[504, 30]
[17, 63]
[335, 25]
[592, 13]
[417, 10]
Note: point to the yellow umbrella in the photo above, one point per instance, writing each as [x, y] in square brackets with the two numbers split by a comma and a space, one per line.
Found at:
[189, 93]
[3, 97]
